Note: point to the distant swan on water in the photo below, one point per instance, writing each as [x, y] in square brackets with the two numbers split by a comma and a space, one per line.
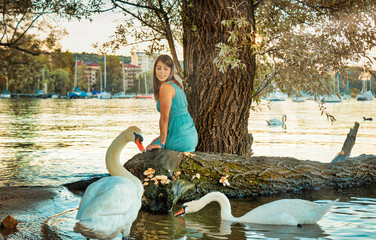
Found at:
[367, 119]
[281, 212]
[277, 122]
[110, 205]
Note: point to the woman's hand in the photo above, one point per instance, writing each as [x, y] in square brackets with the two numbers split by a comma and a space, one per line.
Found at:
[152, 146]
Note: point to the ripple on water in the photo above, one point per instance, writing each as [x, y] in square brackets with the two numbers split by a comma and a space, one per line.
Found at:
[48, 142]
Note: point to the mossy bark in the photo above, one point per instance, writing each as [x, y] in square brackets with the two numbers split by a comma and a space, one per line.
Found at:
[193, 175]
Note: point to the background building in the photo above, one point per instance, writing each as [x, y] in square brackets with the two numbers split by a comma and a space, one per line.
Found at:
[91, 72]
[130, 72]
[144, 61]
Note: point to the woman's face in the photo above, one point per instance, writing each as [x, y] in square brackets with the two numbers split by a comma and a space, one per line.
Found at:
[162, 71]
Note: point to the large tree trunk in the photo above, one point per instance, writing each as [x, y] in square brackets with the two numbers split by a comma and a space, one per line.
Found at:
[219, 102]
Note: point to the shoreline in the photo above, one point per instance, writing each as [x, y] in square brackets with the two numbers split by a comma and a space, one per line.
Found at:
[46, 212]
[32, 207]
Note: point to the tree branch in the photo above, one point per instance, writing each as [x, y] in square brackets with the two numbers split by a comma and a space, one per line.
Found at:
[135, 16]
[134, 5]
[12, 46]
[256, 5]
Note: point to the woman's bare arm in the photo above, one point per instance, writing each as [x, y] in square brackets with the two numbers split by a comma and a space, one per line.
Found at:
[166, 94]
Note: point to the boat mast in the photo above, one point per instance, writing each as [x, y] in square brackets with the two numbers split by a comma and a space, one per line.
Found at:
[100, 77]
[105, 77]
[146, 70]
[370, 83]
[122, 64]
[348, 82]
[75, 76]
[146, 87]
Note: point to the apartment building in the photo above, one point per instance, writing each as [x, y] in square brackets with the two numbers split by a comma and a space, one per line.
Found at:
[144, 61]
[130, 73]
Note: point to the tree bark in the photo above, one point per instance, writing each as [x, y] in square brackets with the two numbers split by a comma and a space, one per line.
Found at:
[348, 144]
[194, 175]
[180, 176]
[218, 102]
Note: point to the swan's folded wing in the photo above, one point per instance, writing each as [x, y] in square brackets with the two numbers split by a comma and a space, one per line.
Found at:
[92, 191]
[114, 200]
[288, 212]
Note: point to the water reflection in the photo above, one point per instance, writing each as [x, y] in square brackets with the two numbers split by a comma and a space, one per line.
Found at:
[46, 142]
[18, 129]
[208, 225]
[51, 142]
[254, 231]
[22, 121]
[310, 135]
[56, 136]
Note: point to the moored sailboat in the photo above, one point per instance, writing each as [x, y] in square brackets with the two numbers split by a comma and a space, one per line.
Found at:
[104, 94]
[365, 95]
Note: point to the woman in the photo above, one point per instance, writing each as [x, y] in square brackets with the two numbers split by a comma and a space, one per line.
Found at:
[176, 127]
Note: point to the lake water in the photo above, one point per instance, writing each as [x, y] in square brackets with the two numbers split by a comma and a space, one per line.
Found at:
[49, 142]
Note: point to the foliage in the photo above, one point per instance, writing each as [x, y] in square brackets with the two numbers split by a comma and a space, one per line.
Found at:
[96, 58]
[27, 29]
[27, 73]
[300, 43]
[238, 38]
[261, 45]
[323, 110]
[115, 76]
[140, 82]
[62, 83]
[292, 45]
[23, 21]
[157, 22]
[22, 70]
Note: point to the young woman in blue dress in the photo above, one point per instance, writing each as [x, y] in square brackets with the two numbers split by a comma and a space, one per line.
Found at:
[176, 128]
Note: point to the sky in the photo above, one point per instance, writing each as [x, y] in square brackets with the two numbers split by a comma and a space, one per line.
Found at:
[83, 34]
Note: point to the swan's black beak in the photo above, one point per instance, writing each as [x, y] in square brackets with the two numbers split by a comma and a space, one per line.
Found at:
[138, 140]
[180, 212]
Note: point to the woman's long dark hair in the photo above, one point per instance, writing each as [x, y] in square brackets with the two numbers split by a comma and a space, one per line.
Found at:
[156, 83]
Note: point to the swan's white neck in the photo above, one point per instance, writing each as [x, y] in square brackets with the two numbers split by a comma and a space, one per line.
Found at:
[223, 202]
[284, 118]
[113, 164]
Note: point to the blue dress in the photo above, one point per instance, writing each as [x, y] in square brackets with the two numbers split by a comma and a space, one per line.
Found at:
[182, 135]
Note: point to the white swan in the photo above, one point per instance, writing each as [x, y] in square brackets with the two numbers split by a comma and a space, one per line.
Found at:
[110, 205]
[280, 212]
[277, 122]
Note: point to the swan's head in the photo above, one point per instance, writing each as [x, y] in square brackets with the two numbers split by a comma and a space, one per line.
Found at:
[136, 137]
[189, 207]
[138, 140]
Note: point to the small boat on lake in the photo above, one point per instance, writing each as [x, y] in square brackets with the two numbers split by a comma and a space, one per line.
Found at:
[6, 94]
[298, 98]
[365, 96]
[104, 95]
[74, 95]
[333, 98]
[144, 96]
[123, 95]
[276, 95]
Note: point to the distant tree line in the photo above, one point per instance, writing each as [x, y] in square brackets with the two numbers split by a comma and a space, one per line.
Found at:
[96, 58]
[26, 73]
